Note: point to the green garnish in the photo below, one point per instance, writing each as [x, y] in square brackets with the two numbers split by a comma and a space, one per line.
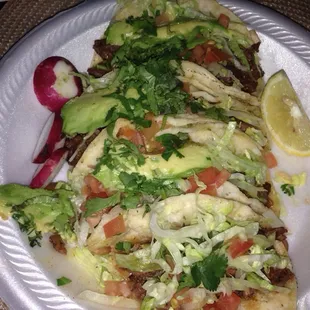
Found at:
[63, 281]
[288, 189]
[172, 143]
[96, 204]
[123, 246]
[210, 271]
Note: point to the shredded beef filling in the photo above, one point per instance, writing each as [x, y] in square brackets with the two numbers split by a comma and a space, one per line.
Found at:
[138, 279]
[78, 144]
[264, 195]
[58, 244]
[278, 276]
[106, 52]
[248, 79]
[97, 72]
[247, 294]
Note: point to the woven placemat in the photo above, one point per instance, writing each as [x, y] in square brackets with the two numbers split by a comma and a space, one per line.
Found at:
[19, 16]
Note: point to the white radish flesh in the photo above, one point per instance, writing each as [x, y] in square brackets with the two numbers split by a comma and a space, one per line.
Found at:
[47, 171]
[54, 83]
[49, 139]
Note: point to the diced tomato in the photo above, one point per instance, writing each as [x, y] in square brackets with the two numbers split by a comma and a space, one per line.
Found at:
[114, 227]
[215, 55]
[208, 176]
[224, 20]
[94, 185]
[193, 185]
[239, 247]
[210, 190]
[210, 307]
[225, 302]
[132, 135]
[221, 178]
[211, 177]
[148, 134]
[102, 194]
[270, 160]
[93, 188]
[117, 288]
[228, 302]
[198, 54]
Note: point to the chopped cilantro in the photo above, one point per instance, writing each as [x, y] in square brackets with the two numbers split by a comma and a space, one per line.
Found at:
[139, 189]
[288, 189]
[217, 114]
[63, 281]
[144, 23]
[209, 271]
[144, 48]
[115, 149]
[172, 143]
[96, 204]
[186, 281]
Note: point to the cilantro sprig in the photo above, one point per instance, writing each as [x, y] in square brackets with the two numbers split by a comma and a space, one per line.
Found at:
[140, 190]
[115, 149]
[63, 281]
[288, 189]
[209, 271]
[172, 143]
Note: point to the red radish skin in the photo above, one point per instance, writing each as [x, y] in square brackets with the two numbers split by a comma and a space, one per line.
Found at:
[49, 139]
[53, 84]
[47, 171]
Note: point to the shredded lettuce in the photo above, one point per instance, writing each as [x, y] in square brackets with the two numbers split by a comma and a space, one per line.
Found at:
[161, 292]
[139, 260]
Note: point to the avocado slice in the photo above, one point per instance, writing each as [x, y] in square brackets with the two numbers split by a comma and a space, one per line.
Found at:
[194, 159]
[88, 112]
[15, 194]
[117, 32]
[185, 28]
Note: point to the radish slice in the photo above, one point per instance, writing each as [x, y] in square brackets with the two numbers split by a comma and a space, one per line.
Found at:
[47, 171]
[50, 136]
[53, 84]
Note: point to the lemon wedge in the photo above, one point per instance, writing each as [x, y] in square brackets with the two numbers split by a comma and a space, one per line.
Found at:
[285, 118]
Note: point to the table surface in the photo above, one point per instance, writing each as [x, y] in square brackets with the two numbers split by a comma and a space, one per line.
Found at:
[20, 16]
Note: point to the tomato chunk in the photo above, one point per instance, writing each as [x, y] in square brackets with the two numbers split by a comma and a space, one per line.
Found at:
[270, 160]
[230, 302]
[93, 188]
[221, 178]
[132, 135]
[224, 20]
[225, 302]
[212, 178]
[239, 247]
[149, 133]
[198, 54]
[94, 185]
[210, 190]
[114, 227]
[208, 176]
[215, 55]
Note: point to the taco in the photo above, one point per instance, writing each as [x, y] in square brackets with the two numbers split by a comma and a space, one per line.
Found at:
[169, 203]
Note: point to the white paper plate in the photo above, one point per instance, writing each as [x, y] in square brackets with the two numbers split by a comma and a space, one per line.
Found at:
[27, 276]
